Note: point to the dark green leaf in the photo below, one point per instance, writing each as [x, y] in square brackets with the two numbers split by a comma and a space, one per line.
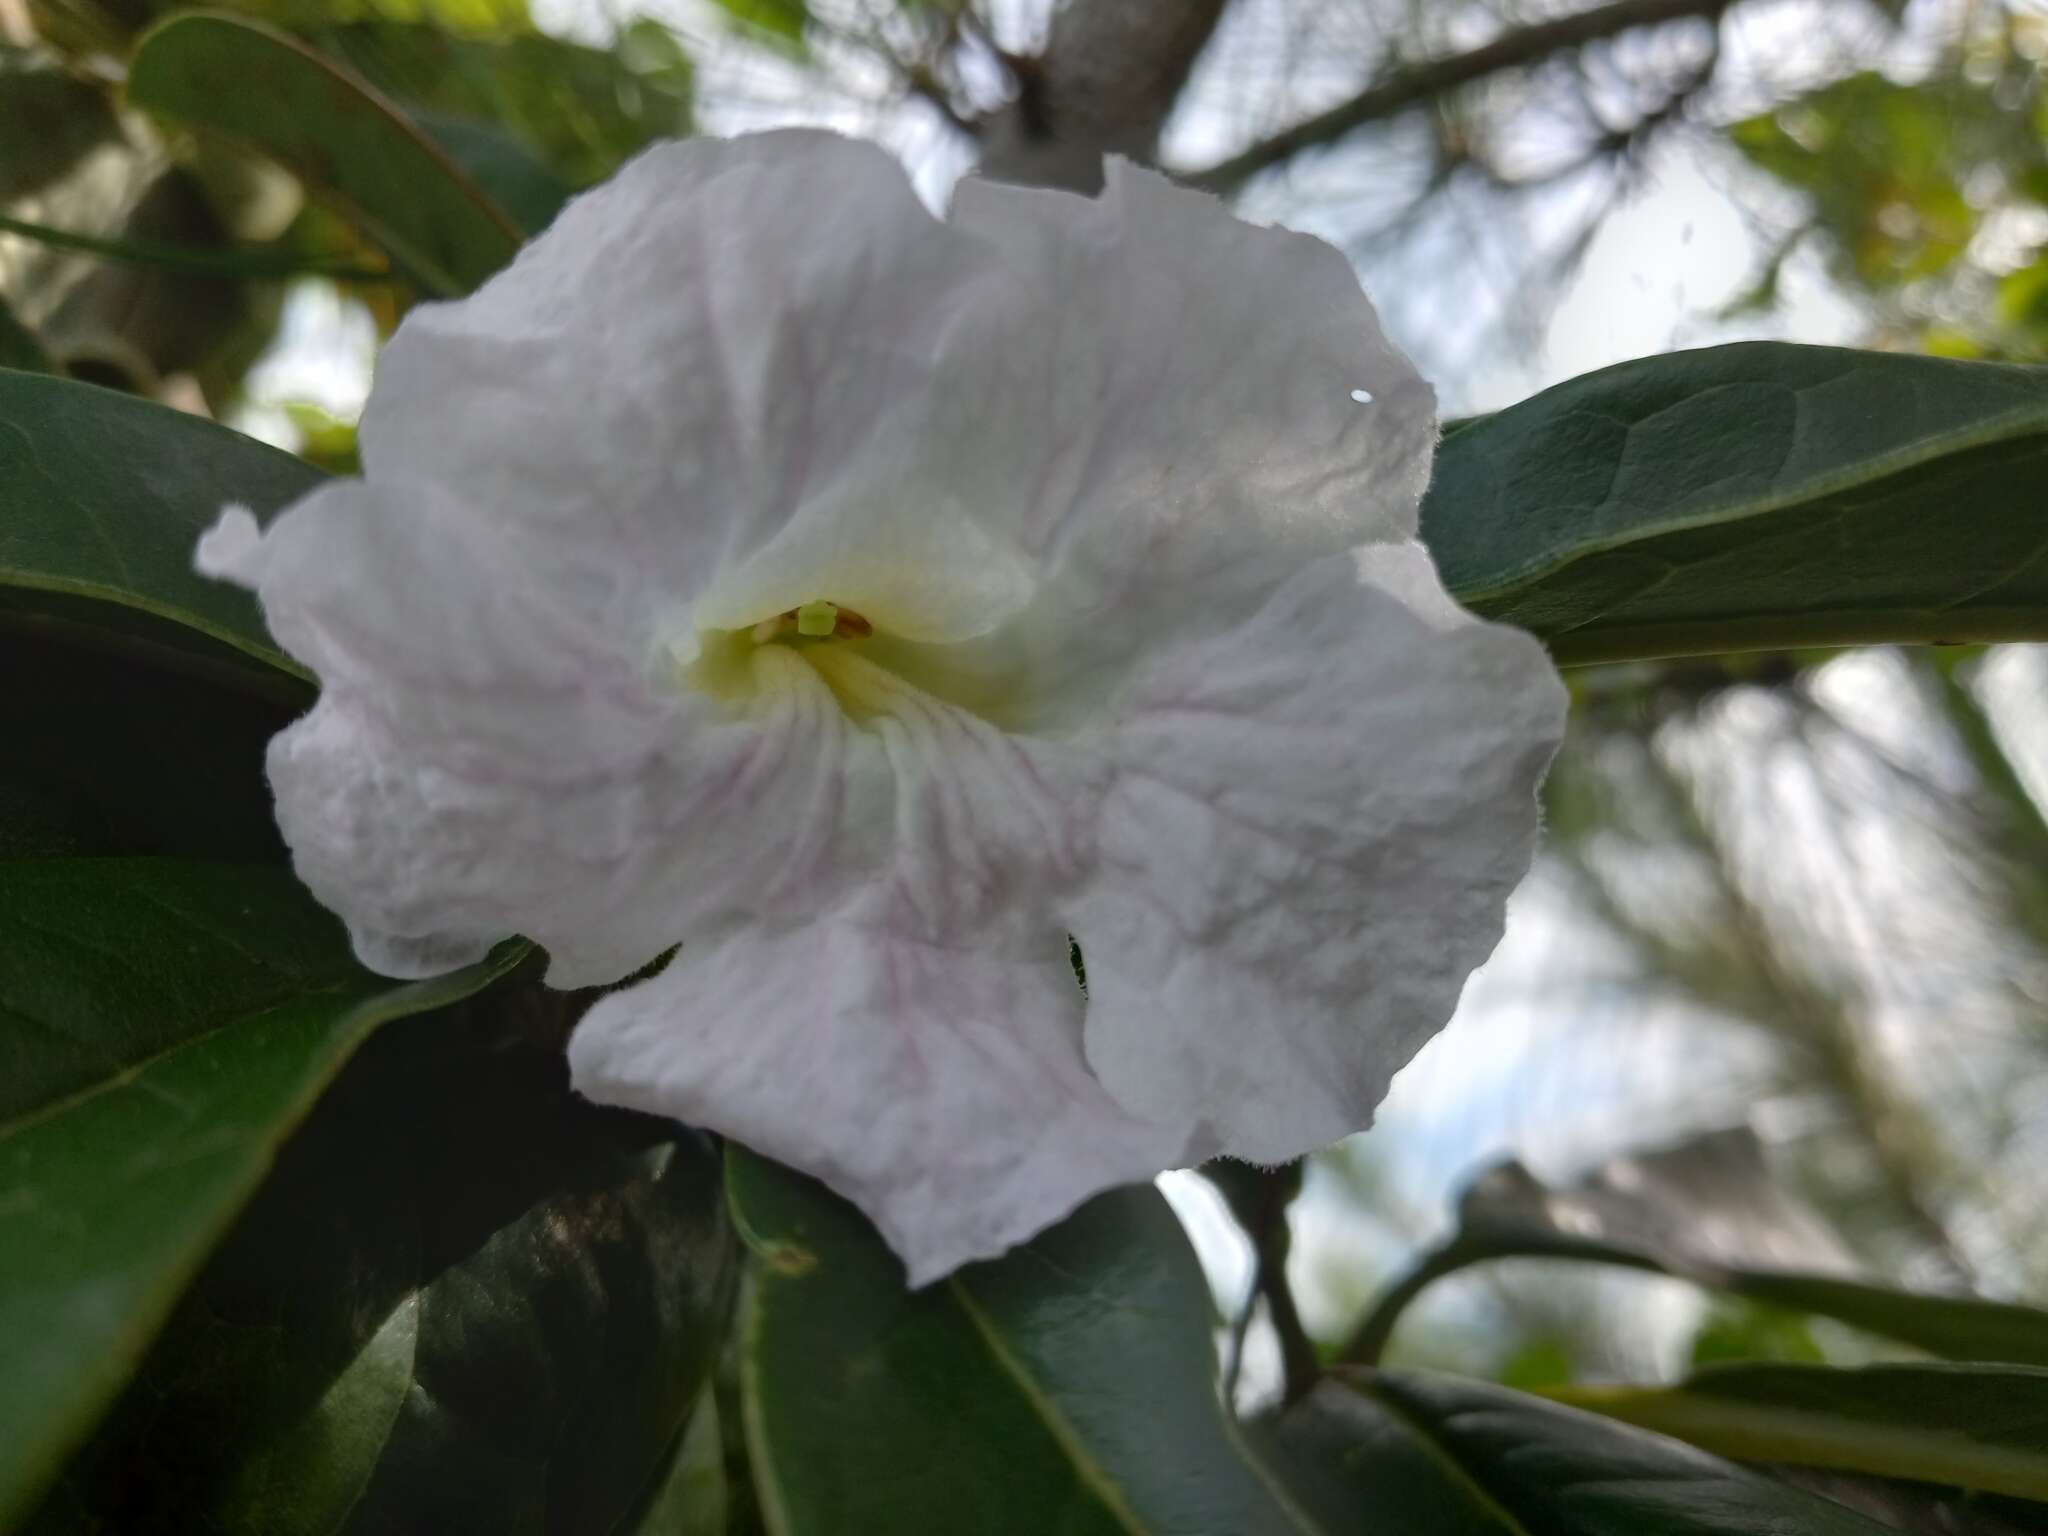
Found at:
[1069, 1387]
[106, 496]
[527, 190]
[98, 757]
[1397, 1451]
[163, 1026]
[1694, 1212]
[689, 1497]
[1967, 1426]
[1920, 1509]
[466, 1301]
[261, 88]
[19, 347]
[1754, 496]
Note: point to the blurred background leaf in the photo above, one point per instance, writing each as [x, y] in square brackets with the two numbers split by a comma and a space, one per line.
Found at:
[1974, 1427]
[258, 87]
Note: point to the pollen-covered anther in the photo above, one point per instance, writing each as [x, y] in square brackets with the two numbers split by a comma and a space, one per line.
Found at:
[813, 621]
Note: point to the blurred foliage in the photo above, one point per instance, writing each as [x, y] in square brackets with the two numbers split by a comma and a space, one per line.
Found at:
[1738, 1329]
[160, 269]
[1930, 195]
[1745, 848]
[581, 110]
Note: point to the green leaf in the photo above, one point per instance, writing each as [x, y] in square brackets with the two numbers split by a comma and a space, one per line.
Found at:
[780, 21]
[261, 88]
[99, 756]
[500, 164]
[163, 1026]
[106, 496]
[1756, 496]
[1982, 1427]
[19, 347]
[1699, 1213]
[466, 1300]
[1403, 1451]
[190, 260]
[689, 1495]
[582, 111]
[1069, 1386]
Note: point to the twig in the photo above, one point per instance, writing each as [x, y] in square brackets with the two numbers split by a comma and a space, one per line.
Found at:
[193, 259]
[1259, 1198]
[1412, 85]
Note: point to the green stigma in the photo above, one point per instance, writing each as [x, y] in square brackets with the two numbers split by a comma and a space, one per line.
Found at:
[817, 619]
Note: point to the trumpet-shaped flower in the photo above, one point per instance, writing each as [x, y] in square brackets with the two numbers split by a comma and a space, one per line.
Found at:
[870, 608]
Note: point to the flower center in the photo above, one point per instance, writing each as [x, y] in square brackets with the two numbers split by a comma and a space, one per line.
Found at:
[818, 620]
[753, 664]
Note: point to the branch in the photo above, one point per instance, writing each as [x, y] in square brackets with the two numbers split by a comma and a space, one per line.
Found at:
[1105, 84]
[1411, 86]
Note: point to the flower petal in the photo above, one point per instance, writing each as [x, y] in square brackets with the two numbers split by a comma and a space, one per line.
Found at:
[1316, 820]
[726, 352]
[937, 1081]
[479, 644]
[1189, 410]
[426, 855]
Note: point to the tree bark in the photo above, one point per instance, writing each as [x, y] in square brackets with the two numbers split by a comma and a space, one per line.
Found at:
[1105, 84]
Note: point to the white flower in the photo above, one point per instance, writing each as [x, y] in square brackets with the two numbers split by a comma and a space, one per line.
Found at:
[867, 603]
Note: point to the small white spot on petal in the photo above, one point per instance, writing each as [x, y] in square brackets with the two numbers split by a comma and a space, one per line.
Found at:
[1362, 396]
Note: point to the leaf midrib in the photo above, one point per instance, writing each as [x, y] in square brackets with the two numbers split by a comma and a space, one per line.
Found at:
[1090, 1471]
[338, 987]
[1440, 1453]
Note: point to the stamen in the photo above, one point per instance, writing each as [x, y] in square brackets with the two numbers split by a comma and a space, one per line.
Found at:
[817, 619]
[814, 621]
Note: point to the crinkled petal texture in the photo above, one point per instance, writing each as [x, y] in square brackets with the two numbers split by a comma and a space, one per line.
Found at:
[1114, 500]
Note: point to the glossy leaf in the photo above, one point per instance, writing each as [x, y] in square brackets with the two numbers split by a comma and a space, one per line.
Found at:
[1069, 1386]
[689, 1496]
[1754, 496]
[1982, 1427]
[1403, 1451]
[163, 1026]
[101, 757]
[1668, 1214]
[266, 90]
[106, 495]
[466, 1301]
